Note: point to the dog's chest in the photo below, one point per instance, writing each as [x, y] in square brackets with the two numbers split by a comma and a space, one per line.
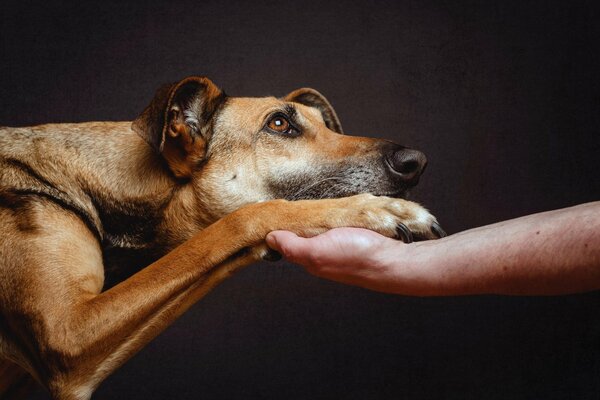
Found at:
[130, 233]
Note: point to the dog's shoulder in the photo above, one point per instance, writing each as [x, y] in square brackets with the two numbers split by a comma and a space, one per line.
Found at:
[102, 172]
[57, 162]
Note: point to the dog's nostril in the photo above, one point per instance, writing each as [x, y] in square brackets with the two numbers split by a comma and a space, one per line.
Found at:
[407, 164]
[407, 167]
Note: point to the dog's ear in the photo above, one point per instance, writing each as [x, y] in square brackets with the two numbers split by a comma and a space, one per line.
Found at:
[312, 98]
[177, 122]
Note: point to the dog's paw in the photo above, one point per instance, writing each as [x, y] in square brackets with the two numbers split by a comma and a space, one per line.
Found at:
[392, 217]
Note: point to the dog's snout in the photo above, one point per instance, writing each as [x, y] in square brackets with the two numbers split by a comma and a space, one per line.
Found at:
[406, 164]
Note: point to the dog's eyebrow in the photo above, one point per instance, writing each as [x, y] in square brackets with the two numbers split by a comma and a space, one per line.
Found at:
[287, 109]
[290, 110]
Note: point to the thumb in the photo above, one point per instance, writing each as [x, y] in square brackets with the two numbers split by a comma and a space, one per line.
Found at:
[287, 243]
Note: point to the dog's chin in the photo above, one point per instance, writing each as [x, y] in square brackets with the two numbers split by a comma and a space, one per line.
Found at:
[386, 190]
[397, 194]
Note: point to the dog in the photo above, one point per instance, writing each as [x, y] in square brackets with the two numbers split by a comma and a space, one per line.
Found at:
[111, 230]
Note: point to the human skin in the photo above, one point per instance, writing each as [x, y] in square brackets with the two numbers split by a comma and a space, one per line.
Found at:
[550, 253]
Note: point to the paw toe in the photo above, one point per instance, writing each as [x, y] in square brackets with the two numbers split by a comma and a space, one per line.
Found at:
[437, 230]
[403, 233]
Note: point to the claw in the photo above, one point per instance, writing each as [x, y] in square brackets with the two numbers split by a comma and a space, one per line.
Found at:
[437, 229]
[404, 233]
[272, 255]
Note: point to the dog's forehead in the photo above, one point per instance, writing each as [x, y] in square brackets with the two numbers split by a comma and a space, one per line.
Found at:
[249, 110]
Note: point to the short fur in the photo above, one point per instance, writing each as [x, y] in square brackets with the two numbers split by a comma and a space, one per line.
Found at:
[111, 230]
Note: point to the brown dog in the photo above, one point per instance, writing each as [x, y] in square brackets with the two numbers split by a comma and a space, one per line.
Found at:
[189, 191]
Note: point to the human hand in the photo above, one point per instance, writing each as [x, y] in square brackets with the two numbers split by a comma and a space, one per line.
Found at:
[353, 256]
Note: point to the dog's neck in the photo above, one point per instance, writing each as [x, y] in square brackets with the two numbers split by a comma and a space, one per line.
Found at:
[141, 205]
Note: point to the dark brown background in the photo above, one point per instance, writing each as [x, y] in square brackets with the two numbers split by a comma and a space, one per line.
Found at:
[504, 99]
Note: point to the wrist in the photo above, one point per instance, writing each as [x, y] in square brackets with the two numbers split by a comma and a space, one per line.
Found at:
[416, 269]
[427, 268]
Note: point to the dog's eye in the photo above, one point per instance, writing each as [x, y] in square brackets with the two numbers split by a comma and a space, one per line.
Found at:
[281, 124]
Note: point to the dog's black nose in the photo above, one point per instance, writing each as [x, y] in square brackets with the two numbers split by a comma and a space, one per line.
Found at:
[406, 164]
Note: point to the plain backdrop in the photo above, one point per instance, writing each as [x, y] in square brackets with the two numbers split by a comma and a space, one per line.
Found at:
[503, 97]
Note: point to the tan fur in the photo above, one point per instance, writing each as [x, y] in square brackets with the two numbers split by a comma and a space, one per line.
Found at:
[206, 194]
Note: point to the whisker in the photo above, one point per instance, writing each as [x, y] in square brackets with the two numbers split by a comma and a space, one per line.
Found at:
[296, 196]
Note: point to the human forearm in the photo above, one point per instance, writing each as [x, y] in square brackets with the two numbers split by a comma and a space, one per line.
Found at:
[542, 254]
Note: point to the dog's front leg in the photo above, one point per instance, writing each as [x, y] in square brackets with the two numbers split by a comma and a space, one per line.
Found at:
[74, 338]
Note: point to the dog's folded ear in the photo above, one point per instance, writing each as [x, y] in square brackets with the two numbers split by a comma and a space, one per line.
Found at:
[312, 98]
[177, 122]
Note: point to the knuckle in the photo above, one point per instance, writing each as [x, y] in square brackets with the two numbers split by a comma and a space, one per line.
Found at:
[396, 207]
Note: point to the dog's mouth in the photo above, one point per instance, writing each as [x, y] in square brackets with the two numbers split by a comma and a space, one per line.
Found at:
[316, 195]
[335, 181]
[402, 194]
[336, 186]
[398, 194]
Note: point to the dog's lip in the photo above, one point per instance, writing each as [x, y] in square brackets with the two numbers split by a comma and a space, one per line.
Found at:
[399, 194]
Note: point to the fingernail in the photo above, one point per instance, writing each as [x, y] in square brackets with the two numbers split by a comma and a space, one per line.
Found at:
[271, 240]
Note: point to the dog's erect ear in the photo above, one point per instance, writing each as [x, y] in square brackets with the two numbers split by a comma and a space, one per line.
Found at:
[177, 122]
[312, 98]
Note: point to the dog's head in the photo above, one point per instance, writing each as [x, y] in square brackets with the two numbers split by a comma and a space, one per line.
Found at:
[237, 151]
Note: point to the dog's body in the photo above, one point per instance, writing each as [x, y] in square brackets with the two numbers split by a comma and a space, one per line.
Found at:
[189, 191]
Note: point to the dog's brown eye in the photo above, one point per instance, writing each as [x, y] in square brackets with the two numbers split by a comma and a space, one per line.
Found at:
[279, 124]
